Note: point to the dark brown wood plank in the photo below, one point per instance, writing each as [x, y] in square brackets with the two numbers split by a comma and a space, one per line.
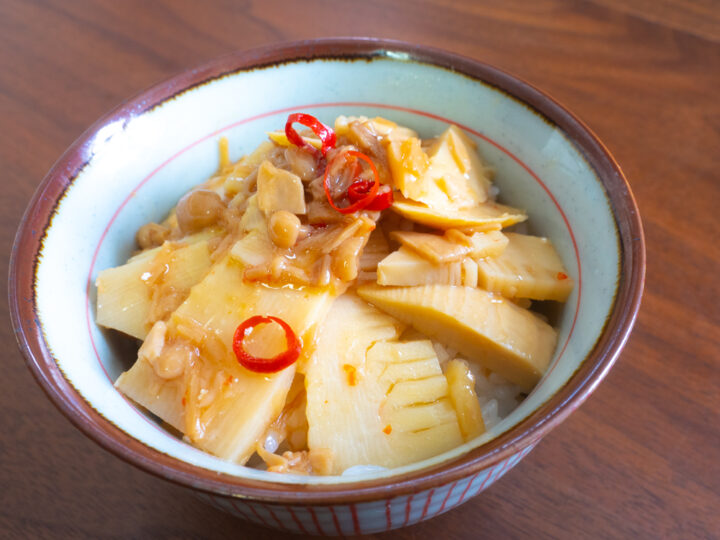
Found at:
[638, 460]
[699, 17]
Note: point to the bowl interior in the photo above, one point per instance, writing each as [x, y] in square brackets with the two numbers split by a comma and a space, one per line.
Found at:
[142, 163]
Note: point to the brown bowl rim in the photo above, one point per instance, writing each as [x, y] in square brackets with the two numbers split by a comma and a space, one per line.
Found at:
[593, 369]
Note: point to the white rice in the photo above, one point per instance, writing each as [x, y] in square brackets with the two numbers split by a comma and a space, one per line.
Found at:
[498, 397]
[358, 470]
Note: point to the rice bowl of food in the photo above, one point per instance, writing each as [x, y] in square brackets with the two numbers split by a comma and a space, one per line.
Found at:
[328, 307]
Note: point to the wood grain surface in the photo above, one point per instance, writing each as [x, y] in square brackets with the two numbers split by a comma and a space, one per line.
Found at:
[638, 460]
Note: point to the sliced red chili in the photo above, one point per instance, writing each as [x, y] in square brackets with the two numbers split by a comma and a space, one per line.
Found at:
[364, 195]
[359, 189]
[381, 201]
[266, 365]
[324, 133]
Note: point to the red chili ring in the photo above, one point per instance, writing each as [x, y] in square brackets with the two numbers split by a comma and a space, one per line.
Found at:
[326, 135]
[266, 365]
[381, 201]
[358, 190]
[369, 196]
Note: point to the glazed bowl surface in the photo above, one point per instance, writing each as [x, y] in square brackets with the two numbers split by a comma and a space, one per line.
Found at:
[135, 163]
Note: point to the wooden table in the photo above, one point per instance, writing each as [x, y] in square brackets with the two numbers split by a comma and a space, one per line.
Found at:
[639, 459]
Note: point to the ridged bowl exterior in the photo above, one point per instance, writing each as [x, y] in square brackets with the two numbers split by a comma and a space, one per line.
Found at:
[365, 517]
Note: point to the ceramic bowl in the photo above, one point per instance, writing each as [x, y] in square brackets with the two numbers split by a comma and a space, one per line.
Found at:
[133, 165]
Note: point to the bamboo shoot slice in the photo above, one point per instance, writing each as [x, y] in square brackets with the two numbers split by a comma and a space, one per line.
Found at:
[529, 268]
[234, 421]
[483, 217]
[404, 267]
[374, 400]
[453, 246]
[450, 176]
[278, 189]
[461, 384]
[486, 328]
[124, 296]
